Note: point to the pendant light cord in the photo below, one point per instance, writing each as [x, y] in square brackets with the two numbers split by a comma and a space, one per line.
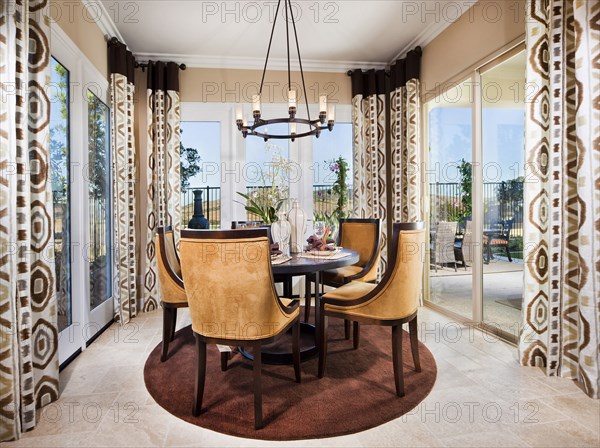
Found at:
[287, 35]
[269, 49]
[299, 60]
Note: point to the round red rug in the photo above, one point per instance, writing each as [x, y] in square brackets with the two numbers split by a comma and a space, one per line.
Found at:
[357, 392]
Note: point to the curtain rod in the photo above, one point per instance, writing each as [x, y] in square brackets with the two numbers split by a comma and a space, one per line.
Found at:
[142, 65]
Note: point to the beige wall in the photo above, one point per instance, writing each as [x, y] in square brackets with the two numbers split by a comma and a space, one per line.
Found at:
[232, 86]
[71, 16]
[487, 29]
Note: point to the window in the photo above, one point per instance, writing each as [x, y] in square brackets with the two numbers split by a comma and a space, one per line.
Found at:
[99, 196]
[329, 147]
[259, 168]
[61, 194]
[200, 169]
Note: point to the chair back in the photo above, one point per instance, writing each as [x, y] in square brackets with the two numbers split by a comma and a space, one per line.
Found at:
[235, 225]
[169, 268]
[362, 236]
[171, 250]
[229, 283]
[444, 242]
[467, 244]
[397, 296]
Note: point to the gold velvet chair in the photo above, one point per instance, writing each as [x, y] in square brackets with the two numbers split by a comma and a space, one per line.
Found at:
[362, 236]
[393, 302]
[232, 298]
[172, 291]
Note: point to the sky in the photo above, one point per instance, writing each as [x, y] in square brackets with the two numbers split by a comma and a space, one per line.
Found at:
[450, 130]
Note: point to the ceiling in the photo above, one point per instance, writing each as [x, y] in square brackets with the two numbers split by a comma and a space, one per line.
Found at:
[334, 35]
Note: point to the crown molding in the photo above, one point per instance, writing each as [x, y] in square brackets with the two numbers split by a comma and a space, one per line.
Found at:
[431, 32]
[103, 19]
[248, 63]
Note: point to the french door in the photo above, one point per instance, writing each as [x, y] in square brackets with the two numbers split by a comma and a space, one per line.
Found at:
[475, 134]
[80, 170]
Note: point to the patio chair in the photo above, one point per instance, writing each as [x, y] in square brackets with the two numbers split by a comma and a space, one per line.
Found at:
[442, 244]
[499, 237]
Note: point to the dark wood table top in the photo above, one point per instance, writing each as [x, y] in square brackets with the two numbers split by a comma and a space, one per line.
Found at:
[303, 265]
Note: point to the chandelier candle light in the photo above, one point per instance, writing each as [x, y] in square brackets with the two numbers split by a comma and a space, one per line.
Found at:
[259, 128]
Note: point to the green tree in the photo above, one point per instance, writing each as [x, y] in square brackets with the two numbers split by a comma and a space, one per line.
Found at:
[190, 164]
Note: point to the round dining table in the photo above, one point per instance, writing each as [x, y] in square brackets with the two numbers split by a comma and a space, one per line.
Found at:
[311, 268]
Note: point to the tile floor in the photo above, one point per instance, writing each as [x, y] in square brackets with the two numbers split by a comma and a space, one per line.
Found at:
[481, 398]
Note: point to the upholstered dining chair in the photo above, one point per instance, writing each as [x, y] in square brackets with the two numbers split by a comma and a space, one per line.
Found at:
[362, 236]
[172, 291]
[393, 302]
[232, 298]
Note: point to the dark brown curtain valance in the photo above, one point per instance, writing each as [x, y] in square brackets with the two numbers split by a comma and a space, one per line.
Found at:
[406, 69]
[163, 76]
[373, 82]
[121, 60]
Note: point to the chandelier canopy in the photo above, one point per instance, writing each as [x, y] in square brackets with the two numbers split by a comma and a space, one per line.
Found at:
[259, 127]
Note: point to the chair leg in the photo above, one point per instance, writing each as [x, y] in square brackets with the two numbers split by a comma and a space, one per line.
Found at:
[296, 350]
[397, 359]
[174, 324]
[200, 375]
[322, 343]
[224, 359]
[414, 343]
[307, 297]
[346, 329]
[508, 254]
[257, 366]
[167, 331]
[355, 335]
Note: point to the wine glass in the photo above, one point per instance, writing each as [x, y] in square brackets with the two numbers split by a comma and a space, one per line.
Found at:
[319, 229]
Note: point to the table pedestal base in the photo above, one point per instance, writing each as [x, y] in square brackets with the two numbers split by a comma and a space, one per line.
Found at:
[280, 352]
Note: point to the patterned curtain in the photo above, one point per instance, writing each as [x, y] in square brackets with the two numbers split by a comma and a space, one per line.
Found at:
[163, 167]
[386, 127]
[561, 310]
[28, 316]
[121, 67]
[405, 128]
[369, 151]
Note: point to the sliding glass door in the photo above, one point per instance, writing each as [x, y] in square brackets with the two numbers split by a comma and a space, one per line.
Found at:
[503, 147]
[80, 171]
[100, 232]
[450, 200]
[475, 153]
[60, 150]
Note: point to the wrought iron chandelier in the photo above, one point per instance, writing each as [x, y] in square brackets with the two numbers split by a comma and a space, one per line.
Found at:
[259, 128]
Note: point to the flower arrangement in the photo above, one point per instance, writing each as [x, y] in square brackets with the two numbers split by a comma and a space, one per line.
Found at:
[266, 201]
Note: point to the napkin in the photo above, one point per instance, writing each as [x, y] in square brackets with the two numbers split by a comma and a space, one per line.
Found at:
[316, 244]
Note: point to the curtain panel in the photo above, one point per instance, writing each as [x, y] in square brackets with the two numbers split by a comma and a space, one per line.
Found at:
[369, 151]
[405, 130]
[561, 309]
[162, 167]
[386, 145]
[28, 314]
[123, 153]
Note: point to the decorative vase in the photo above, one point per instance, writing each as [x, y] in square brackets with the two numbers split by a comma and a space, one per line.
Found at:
[198, 220]
[297, 219]
[281, 231]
